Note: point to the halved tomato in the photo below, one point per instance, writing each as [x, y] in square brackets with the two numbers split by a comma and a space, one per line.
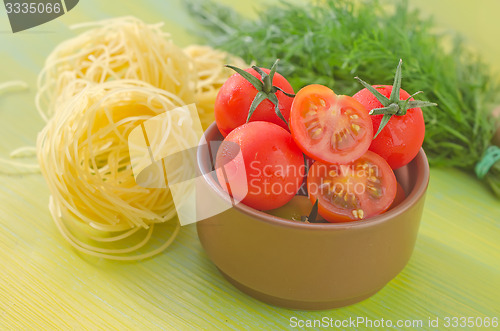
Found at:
[328, 127]
[352, 191]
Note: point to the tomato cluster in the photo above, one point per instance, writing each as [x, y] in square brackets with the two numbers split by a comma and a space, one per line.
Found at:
[275, 140]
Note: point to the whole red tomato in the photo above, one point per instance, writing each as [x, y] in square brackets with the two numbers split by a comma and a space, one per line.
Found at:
[400, 140]
[235, 98]
[397, 120]
[259, 164]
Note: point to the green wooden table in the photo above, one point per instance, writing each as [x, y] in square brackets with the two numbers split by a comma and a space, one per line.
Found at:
[44, 284]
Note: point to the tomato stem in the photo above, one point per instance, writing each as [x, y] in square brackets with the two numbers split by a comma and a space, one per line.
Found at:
[264, 86]
[313, 214]
[393, 105]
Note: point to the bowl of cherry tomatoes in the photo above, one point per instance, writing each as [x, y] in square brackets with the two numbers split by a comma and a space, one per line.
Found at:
[313, 216]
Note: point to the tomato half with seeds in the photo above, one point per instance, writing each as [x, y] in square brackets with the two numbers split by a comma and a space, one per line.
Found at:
[328, 127]
[354, 191]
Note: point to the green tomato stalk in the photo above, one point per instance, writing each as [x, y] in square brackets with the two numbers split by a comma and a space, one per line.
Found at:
[265, 88]
[393, 105]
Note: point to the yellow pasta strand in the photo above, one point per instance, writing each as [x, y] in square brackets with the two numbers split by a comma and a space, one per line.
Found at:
[11, 164]
[19, 84]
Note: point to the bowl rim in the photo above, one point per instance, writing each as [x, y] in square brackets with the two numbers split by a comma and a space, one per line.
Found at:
[421, 184]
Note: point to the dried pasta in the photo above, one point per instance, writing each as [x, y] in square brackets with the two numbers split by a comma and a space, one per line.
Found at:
[127, 48]
[83, 154]
[210, 75]
[93, 90]
[119, 48]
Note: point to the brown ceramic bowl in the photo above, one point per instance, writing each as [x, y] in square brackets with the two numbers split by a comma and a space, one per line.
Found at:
[311, 266]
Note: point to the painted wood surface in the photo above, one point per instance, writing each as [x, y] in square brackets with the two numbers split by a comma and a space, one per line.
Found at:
[44, 284]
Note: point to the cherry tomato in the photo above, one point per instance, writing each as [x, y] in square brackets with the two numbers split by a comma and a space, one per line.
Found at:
[270, 170]
[328, 127]
[352, 191]
[235, 98]
[400, 196]
[400, 140]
